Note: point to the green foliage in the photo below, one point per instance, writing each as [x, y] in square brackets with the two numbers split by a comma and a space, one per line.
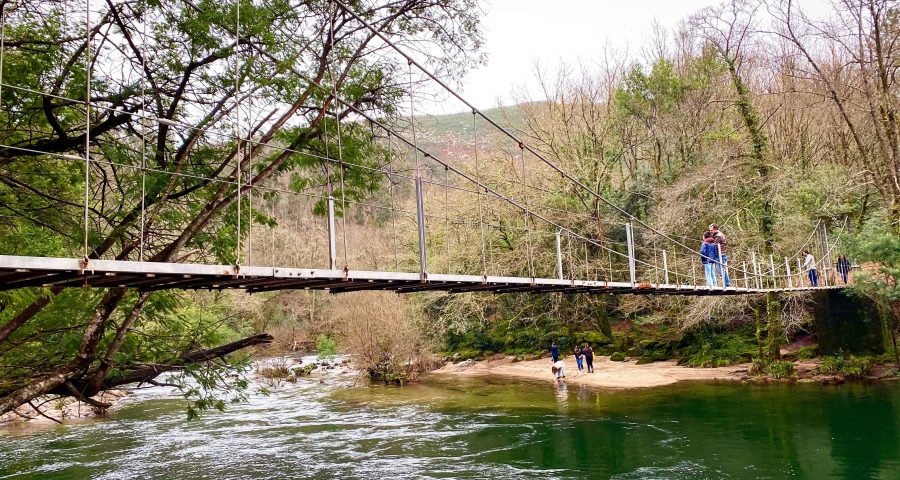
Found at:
[617, 357]
[781, 369]
[305, 370]
[326, 346]
[880, 247]
[848, 366]
[710, 348]
[808, 352]
[646, 95]
[778, 369]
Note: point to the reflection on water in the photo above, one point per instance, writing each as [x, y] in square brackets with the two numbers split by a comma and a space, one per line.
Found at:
[483, 428]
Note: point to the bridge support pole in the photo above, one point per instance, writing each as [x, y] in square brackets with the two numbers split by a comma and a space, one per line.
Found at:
[665, 267]
[746, 277]
[332, 242]
[826, 253]
[559, 262]
[772, 266]
[631, 263]
[799, 273]
[755, 267]
[420, 223]
[787, 268]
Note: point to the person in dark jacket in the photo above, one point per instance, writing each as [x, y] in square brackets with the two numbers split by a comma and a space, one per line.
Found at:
[578, 360]
[708, 254]
[843, 267]
[554, 352]
[588, 353]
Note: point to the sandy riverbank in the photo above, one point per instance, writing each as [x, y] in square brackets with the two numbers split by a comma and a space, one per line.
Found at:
[607, 374]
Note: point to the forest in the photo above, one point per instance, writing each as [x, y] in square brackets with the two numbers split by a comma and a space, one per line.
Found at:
[205, 137]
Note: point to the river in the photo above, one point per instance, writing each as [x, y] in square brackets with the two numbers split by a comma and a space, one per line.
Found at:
[481, 428]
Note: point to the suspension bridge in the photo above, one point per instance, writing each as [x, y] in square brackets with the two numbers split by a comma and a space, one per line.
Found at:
[557, 256]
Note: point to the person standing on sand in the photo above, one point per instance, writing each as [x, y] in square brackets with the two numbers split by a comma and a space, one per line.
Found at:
[558, 368]
[554, 351]
[578, 358]
[588, 353]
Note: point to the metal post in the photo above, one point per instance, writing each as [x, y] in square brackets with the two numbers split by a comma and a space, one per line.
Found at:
[666, 267]
[721, 264]
[799, 273]
[420, 215]
[559, 266]
[332, 243]
[694, 270]
[826, 253]
[774, 277]
[746, 277]
[787, 268]
[755, 267]
[631, 264]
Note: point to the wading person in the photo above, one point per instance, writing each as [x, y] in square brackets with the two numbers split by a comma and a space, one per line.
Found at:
[578, 360]
[809, 264]
[843, 267]
[554, 351]
[721, 254]
[588, 353]
[708, 254]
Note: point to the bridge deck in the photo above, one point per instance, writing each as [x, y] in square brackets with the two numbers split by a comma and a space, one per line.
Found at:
[22, 271]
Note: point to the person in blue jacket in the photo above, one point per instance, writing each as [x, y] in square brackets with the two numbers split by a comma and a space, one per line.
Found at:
[708, 254]
[554, 352]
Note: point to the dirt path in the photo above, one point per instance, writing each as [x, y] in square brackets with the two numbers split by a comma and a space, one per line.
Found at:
[607, 374]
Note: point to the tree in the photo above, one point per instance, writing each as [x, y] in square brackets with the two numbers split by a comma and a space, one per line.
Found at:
[852, 57]
[194, 108]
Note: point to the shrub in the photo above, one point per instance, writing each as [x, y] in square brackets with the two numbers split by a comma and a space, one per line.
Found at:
[718, 349]
[304, 370]
[326, 346]
[857, 367]
[758, 367]
[617, 357]
[805, 353]
[275, 369]
[851, 367]
[781, 369]
[381, 332]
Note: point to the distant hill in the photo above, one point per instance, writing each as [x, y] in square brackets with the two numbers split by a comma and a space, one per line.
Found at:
[450, 136]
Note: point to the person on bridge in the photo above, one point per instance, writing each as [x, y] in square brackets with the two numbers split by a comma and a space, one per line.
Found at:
[843, 267]
[721, 254]
[578, 360]
[809, 264]
[708, 254]
[588, 353]
[554, 351]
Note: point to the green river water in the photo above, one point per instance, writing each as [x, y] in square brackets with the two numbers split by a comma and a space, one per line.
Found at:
[482, 428]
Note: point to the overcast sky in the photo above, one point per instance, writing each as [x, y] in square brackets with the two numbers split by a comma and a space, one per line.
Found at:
[518, 33]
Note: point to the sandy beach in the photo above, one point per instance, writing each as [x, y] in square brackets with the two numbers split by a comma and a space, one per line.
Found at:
[607, 374]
